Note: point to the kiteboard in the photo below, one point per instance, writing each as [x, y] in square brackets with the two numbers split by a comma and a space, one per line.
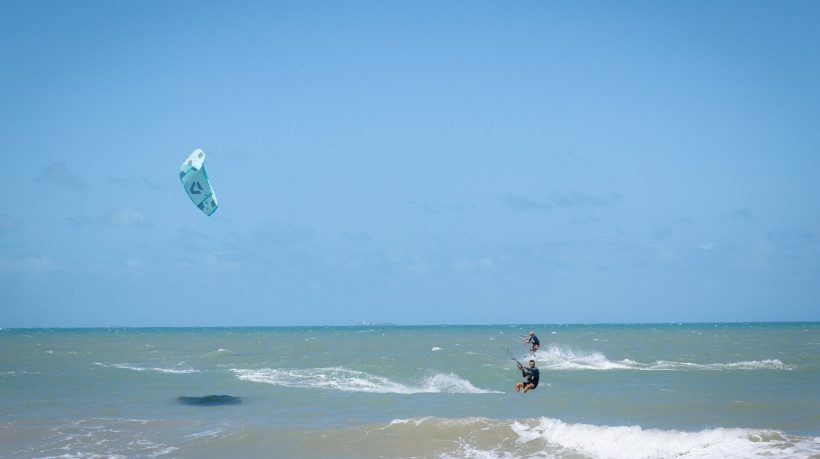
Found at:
[196, 183]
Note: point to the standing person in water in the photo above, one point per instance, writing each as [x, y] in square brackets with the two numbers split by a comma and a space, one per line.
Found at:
[532, 374]
[534, 341]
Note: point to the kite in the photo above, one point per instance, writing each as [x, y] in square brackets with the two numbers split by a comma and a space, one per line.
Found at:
[196, 183]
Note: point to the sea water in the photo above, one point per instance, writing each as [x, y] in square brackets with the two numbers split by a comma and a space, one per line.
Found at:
[606, 391]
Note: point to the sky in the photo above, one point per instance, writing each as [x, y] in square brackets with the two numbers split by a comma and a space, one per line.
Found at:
[411, 162]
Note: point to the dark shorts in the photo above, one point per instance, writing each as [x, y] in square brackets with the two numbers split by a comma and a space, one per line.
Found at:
[534, 384]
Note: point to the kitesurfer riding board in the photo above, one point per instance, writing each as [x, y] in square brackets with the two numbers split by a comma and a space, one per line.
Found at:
[534, 341]
[532, 374]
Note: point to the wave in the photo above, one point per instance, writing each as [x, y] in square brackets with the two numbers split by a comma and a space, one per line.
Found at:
[635, 442]
[548, 437]
[61, 353]
[348, 380]
[126, 366]
[562, 358]
[769, 364]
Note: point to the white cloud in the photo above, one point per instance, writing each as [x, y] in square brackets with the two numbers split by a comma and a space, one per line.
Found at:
[220, 260]
[126, 216]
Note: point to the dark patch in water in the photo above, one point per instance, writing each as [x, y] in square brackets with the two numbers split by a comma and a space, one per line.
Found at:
[210, 400]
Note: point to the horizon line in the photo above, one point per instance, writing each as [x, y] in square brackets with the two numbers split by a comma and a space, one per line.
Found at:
[396, 325]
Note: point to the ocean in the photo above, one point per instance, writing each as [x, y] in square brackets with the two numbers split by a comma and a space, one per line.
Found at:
[606, 391]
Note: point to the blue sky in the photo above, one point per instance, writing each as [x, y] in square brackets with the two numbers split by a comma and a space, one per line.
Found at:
[409, 162]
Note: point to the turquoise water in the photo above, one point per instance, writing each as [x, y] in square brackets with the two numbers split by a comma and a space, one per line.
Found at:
[676, 390]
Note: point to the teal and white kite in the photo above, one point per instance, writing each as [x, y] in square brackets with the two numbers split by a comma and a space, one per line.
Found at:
[196, 183]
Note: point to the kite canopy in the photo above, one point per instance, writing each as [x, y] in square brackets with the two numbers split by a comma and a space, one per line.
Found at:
[195, 180]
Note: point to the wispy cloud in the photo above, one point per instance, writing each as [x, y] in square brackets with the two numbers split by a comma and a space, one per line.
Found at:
[60, 174]
[524, 203]
[221, 260]
[361, 236]
[791, 240]
[127, 216]
[743, 214]
[663, 232]
[8, 224]
[81, 220]
[28, 264]
[521, 203]
[579, 199]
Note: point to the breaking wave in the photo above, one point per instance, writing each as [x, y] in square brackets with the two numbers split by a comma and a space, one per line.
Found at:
[344, 379]
[561, 358]
[554, 438]
[547, 438]
[126, 366]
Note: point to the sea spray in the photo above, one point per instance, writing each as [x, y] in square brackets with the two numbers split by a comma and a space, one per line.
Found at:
[344, 379]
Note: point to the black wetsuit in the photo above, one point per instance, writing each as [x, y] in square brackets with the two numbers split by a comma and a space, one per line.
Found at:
[532, 375]
[535, 343]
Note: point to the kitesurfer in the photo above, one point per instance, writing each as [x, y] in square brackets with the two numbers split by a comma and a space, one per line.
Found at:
[532, 374]
[534, 341]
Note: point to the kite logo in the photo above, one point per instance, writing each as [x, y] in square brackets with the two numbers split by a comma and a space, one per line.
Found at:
[198, 187]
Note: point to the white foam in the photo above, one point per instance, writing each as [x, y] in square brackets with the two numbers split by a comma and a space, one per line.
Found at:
[554, 438]
[206, 433]
[415, 421]
[100, 438]
[563, 358]
[769, 364]
[126, 366]
[344, 379]
[635, 442]
[436, 348]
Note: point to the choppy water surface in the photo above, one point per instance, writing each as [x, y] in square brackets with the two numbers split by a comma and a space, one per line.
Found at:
[701, 390]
